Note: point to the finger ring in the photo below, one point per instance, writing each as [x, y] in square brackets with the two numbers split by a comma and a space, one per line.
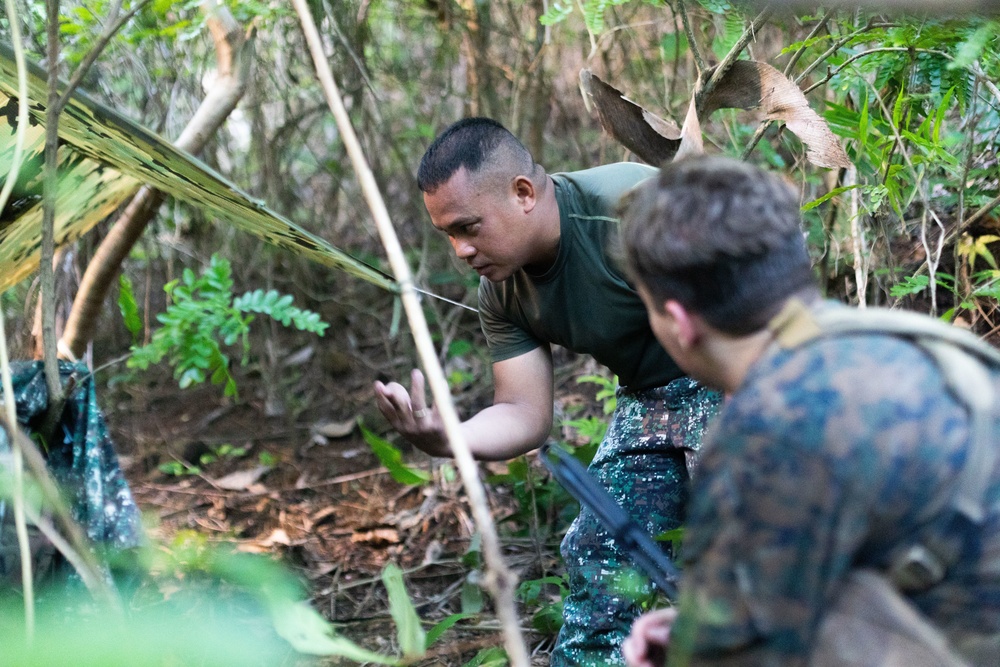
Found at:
[421, 413]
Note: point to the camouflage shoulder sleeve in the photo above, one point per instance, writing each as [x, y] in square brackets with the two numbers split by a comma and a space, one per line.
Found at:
[784, 500]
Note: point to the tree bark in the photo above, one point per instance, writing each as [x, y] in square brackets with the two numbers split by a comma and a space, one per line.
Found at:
[234, 57]
[51, 182]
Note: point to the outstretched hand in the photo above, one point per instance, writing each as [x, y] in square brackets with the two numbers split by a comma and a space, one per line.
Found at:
[647, 645]
[409, 414]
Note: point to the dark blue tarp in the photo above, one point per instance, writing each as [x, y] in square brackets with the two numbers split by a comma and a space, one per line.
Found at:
[81, 459]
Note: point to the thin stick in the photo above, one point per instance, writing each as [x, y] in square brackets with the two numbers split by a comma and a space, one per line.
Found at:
[699, 61]
[805, 43]
[50, 187]
[499, 579]
[734, 53]
[20, 520]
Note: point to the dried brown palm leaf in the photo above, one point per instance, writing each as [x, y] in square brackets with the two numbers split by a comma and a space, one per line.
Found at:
[650, 137]
[746, 85]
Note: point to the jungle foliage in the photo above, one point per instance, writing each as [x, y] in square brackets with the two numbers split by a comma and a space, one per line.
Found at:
[912, 222]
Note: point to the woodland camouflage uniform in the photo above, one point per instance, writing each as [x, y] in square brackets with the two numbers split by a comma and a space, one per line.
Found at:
[842, 453]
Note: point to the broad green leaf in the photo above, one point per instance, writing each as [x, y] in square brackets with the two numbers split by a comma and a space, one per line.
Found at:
[548, 619]
[910, 285]
[939, 116]
[489, 657]
[409, 632]
[808, 206]
[863, 123]
[443, 626]
[472, 594]
[128, 307]
[308, 632]
[392, 459]
[530, 590]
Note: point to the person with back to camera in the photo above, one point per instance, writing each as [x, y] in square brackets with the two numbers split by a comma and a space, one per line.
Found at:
[540, 244]
[846, 509]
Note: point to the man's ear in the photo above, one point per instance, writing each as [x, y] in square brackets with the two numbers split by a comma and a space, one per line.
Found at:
[686, 329]
[524, 192]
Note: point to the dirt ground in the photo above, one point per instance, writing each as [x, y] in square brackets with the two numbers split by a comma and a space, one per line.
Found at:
[303, 485]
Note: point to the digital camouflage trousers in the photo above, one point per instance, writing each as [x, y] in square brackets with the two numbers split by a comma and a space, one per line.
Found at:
[644, 461]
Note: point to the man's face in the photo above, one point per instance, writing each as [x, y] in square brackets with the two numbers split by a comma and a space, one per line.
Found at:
[486, 223]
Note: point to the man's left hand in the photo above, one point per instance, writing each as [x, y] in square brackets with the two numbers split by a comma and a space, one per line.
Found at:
[647, 645]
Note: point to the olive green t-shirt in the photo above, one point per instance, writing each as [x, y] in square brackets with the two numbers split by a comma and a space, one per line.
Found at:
[583, 301]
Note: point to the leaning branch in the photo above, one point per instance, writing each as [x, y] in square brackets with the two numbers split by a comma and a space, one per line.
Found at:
[720, 70]
[699, 61]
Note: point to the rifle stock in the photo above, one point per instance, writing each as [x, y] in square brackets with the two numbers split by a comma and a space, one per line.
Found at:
[644, 551]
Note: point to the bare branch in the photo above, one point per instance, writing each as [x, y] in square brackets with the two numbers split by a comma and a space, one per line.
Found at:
[699, 61]
[973, 219]
[805, 42]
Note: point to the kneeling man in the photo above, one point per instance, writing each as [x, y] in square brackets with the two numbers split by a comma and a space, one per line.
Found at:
[853, 469]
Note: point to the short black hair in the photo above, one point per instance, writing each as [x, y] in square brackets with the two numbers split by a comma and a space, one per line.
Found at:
[721, 237]
[470, 143]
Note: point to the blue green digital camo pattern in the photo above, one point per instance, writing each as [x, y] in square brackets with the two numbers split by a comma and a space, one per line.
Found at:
[641, 461]
[824, 460]
[83, 462]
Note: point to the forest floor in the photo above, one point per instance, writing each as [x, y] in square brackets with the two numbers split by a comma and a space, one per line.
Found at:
[308, 489]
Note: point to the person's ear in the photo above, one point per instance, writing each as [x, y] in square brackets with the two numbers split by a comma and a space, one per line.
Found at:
[524, 192]
[685, 326]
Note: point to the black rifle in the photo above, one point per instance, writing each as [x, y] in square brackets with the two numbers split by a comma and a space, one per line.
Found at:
[645, 552]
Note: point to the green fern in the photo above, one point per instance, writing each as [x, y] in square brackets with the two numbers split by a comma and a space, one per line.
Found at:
[557, 12]
[203, 312]
[593, 13]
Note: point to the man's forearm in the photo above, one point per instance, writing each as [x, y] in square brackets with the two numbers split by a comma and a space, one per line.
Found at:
[505, 430]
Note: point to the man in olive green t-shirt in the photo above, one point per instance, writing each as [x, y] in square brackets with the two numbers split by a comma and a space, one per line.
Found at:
[540, 244]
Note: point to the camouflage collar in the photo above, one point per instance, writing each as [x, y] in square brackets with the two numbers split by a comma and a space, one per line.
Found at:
[794, 324]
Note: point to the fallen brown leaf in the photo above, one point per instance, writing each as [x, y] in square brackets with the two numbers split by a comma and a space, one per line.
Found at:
[376, 536]
[278, 536]
[324, 515]
[335, 429]
[241, 479]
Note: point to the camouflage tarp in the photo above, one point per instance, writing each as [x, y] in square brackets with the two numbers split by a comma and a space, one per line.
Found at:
[103, 158]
